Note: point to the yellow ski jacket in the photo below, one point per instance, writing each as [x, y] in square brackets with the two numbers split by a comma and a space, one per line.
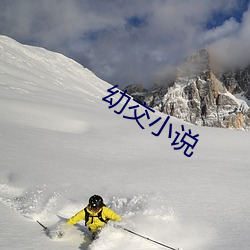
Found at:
[94, 223]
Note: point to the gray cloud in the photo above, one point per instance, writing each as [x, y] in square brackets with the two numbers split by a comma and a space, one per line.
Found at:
[233, 49]
[125, 42]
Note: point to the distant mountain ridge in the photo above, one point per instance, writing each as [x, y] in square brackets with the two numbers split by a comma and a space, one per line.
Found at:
[201, 95]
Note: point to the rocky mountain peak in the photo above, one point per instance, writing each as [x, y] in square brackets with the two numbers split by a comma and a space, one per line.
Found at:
[202, 97]
[197, 64]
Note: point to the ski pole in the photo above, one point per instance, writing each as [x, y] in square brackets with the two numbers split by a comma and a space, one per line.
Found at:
[45, 228]
[146, 238]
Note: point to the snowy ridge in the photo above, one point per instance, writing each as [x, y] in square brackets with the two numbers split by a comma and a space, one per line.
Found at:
[37, 73]
[60, 144]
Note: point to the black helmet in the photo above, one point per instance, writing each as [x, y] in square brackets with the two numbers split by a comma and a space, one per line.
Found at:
[96, 202]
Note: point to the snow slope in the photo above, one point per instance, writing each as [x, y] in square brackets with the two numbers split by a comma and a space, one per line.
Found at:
[60, 143]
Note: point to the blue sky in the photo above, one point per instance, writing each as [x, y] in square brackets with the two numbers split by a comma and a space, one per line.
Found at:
[218, 17]
[131, 41]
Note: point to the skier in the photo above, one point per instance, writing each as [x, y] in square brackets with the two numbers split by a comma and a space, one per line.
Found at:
[95, 214]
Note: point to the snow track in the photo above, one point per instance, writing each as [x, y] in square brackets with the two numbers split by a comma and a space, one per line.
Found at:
[32, 204]
[144, 214]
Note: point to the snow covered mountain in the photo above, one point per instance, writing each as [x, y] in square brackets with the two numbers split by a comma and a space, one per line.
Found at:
[201, 96]
[60, 143]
